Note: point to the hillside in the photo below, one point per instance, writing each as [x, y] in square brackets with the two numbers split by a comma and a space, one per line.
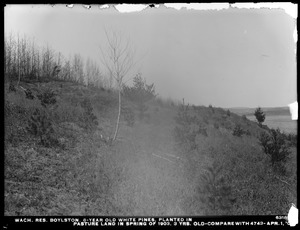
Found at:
[176, 160]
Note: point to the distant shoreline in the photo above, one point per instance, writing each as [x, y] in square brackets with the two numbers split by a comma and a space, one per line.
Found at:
[283, 122]
[269, 111]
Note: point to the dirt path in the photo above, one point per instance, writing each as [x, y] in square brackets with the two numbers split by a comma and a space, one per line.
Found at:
[156, 183]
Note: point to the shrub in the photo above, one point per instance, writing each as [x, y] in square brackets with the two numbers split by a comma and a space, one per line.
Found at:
[40, 125]
[274, 145]
[47, 97]
[214, 193]
[244, 118]
[89, 119]
[226, 125]
[188, 127]
[29, 94]
[11, 88]
[202, 130]
[238, 131]
[212, 108]
[291, 139]
[183, 132]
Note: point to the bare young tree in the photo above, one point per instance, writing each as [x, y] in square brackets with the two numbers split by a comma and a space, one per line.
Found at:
[118, 59]
[18, 56]
[8, 55]
[78, 68]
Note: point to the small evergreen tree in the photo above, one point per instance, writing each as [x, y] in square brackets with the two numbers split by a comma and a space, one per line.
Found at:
[211, 108]
[214, 192]
[228, 113]
[140, 94]
[188, 127]
[238, 131]
[260, 116]
[275, 146]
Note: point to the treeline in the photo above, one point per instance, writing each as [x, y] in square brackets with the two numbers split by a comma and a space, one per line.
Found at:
[24, 60]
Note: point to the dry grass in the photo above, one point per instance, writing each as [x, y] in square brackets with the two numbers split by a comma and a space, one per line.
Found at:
[145, 172]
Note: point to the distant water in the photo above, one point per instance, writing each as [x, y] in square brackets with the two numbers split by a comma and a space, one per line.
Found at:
[283, 122]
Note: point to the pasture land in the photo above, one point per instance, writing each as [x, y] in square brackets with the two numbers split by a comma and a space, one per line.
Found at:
[58, 160]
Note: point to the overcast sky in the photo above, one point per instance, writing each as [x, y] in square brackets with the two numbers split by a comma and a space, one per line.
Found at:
[227, 58]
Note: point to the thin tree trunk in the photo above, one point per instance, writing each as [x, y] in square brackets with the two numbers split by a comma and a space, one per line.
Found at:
[19, 74]
[119, 114]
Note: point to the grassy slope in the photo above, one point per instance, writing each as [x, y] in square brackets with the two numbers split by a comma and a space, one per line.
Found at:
[144, 173]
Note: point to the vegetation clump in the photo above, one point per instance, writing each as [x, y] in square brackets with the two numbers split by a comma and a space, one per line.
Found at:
[140, 93]
[47, 97]
[188, 127]
[260, 116]
[274, 145]
[228, 113]
[40, 125]
[89, 119]
[238, 131]
[292, 139]
[29, 94]
[215, 193]
[211, 108]
[11, 88]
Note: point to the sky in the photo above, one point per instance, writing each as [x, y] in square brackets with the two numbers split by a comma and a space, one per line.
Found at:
[226, 58]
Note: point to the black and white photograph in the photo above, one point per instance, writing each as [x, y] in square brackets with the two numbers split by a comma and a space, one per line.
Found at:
[152, 112]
